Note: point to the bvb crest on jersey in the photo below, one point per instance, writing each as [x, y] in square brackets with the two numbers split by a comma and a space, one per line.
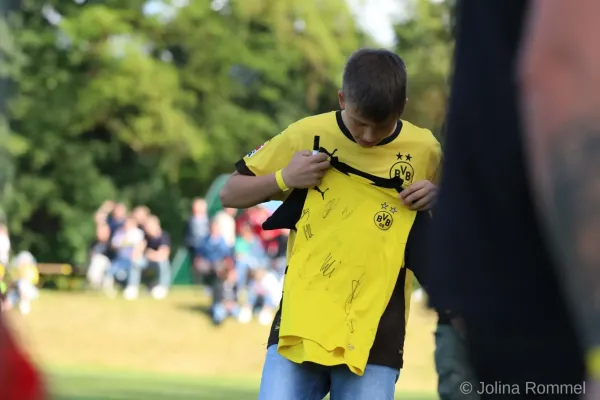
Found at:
[384, 218]
[402, 168]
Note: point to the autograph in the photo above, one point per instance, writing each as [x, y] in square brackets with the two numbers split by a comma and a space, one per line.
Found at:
[327, 266]
[354, 292]
[329, 207]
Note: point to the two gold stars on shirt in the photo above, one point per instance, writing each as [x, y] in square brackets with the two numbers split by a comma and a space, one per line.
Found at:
[385, 206]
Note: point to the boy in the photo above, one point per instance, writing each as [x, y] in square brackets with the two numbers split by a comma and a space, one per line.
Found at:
[350, 204]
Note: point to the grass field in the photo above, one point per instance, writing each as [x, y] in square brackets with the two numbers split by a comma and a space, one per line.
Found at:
[93, 348]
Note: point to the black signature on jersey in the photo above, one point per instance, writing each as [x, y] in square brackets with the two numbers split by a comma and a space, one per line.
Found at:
[354, 292]
[327, 266]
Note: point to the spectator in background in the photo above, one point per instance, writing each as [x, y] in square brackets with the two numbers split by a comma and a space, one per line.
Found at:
[156, 255]
[23, 288]
[278, 253]
[117, 217]
[198, 225]
[99, 255]
[224, 293]
[128, 245]
[226, 221]
[140, 214]
[264, 295]
[210, 255]
[4, 245]
[249, 255]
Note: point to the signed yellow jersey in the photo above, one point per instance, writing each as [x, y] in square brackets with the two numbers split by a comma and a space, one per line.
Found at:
[350, 235]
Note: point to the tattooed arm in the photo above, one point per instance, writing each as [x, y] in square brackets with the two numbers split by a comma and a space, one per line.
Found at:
[560, 76]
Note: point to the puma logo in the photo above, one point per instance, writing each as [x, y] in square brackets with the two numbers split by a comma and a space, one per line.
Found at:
[321, 192]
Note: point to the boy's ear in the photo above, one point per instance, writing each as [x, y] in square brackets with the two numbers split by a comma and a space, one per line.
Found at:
[341, 100]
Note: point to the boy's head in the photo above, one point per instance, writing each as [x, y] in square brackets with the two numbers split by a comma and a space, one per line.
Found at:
[373, 94]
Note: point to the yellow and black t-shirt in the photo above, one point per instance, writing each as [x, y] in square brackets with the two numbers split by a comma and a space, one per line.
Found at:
[346, 254]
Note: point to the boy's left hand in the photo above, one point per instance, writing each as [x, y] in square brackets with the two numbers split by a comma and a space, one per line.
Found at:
[419, 196]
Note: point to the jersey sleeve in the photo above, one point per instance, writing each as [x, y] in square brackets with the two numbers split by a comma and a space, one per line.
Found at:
[272, 155]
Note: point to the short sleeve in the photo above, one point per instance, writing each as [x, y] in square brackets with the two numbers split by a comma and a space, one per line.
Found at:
[272, 155]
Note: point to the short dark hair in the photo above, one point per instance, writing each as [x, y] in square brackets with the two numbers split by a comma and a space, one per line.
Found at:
[375, 83]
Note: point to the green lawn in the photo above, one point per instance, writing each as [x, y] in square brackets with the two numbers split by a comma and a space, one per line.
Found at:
[94, 348]
[103, 386]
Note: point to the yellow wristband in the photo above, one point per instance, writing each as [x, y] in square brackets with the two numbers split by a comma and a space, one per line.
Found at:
[592, 359]
[280, 181]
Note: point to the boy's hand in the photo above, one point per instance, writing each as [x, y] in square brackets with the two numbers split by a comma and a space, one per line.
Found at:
[305, 170]
[419, 196]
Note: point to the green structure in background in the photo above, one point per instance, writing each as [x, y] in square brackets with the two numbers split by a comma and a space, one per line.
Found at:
[182, 261]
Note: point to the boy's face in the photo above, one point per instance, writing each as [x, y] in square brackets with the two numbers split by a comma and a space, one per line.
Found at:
[366, 133]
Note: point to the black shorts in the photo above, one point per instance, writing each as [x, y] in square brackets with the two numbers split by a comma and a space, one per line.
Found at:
[517, 361]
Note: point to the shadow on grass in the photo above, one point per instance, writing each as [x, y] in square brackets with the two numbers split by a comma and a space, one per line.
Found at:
[202, 309]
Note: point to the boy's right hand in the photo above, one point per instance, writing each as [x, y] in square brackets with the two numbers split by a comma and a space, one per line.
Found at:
[305, 170]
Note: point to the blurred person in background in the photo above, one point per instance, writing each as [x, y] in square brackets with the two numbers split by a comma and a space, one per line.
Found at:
[128, 245]
[23, 288]
[100, 254]
[3, 286]
[224, 293]
[559, 70]
[140, 214]
[249, 256]
[4, 245]
[264, 294]
[226, 221]
[156, 255]
[198, 226]
[491, 261]
[19, 379]
[117, 217]
[277, 252]
[211, 253]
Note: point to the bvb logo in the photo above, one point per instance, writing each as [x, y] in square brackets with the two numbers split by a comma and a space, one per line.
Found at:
[383, 218]
[402, 168]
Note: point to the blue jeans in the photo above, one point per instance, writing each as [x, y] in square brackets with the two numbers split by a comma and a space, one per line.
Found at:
[164, 272]
[119, 269]
[284, 379]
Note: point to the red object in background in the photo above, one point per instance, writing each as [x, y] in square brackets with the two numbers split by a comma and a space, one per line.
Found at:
[19, 380]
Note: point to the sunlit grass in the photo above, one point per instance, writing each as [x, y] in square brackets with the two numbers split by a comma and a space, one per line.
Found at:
[96, 348]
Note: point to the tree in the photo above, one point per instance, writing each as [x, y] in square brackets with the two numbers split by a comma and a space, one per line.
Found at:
[425, 42]
[111, 102]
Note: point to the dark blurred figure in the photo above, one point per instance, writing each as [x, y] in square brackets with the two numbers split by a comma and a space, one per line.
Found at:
[490, 262]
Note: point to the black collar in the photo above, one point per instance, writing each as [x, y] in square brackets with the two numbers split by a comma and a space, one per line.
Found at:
[346, 131]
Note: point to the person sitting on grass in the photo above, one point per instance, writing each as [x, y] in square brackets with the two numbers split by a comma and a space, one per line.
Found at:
[224, 293]
[156, 255]
[128, 245]
[23, 288]
[211, 252]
